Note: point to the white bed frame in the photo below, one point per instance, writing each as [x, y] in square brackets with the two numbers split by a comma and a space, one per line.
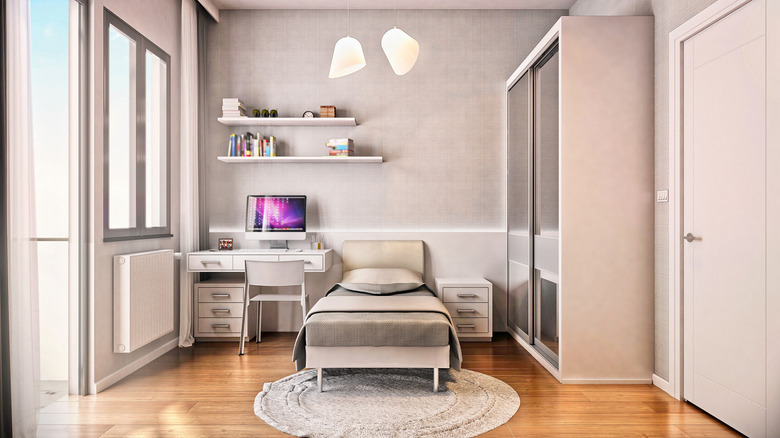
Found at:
[358, 254]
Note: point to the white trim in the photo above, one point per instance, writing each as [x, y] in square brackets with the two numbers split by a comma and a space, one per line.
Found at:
[607, 381]
[663, 384]
[539, 358]
[132, 367]
[677, 38]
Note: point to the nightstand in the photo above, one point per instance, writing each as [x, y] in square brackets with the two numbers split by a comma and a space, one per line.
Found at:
[470, 303]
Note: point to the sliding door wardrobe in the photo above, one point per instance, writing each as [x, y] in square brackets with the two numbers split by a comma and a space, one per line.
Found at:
[580, 200]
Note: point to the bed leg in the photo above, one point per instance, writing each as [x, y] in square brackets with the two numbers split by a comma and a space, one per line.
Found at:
[436, 380]
[319, 379]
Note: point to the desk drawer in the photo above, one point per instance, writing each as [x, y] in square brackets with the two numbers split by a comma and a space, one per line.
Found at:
[467, 310]
[209, 262]
[311, 262]
[219, 310]
[220, 326]
[464, 294]
[471, 325]
[221, 295]
[239, 260]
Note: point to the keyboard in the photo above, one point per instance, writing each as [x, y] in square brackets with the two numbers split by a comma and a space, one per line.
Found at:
[263, 250]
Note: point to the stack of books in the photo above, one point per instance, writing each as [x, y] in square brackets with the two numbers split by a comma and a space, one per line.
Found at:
[327, 111]
[340, 147]
[233, 107]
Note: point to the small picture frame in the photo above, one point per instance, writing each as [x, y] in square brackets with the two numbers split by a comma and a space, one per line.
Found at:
[226, 244]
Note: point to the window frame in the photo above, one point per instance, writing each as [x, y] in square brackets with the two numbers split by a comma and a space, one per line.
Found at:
[143, 44]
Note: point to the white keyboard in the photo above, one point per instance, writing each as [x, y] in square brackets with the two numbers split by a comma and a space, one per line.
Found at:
[262, 250]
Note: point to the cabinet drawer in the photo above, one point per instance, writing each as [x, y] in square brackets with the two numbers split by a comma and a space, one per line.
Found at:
[219, 310]
[464, 294]
[209, 262]
[468, 310]
[471, 325]
[221, 295]
[225, 326]
[311, 262]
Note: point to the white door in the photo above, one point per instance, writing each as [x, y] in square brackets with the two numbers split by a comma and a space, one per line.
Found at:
[724, 200]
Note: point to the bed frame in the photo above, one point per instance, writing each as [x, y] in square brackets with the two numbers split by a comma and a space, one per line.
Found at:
[356, 254]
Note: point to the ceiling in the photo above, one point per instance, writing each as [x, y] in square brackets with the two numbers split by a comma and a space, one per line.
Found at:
[388, 4]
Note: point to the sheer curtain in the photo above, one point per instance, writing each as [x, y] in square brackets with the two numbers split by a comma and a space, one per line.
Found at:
[22, 254]
[189, 164]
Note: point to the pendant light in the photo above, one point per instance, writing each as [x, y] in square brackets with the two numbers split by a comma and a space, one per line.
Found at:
[347, 55]
[401, 49]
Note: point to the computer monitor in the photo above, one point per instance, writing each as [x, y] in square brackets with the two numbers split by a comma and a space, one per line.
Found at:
[276, 218]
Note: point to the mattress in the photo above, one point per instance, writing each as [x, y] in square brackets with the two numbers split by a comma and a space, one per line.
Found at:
[392, 329]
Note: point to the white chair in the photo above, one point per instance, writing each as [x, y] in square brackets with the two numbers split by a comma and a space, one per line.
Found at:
[259, 274]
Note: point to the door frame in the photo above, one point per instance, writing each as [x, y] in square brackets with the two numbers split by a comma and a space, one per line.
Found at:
[677, 38]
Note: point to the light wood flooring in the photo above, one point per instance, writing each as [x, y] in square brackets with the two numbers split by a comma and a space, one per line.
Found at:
[208, 390]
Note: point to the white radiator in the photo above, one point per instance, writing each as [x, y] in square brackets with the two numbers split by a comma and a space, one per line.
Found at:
[143, 298]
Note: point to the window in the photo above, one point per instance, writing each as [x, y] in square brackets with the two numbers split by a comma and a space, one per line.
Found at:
[136, 148]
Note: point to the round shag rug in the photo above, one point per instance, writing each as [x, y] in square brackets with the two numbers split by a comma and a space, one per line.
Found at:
[386, 403]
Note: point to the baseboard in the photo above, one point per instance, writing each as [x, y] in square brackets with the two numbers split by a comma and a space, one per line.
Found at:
[132, 367]
[665, 385]
[607, 381]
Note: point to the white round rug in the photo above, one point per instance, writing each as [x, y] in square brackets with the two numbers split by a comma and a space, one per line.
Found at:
[386, 403]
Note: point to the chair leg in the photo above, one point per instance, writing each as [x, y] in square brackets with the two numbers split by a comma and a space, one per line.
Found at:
[319, 379]
[305, 307]
[243, 324]
[259, 320]
[436, 380]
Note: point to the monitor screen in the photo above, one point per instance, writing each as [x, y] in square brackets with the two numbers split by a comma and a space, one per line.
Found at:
[276, 213]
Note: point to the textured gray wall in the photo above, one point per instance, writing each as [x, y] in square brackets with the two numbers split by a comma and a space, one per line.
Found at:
[440, 127]
[669, 14]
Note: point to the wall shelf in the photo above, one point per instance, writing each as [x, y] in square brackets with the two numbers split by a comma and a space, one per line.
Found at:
[323, 159]
[287, 121]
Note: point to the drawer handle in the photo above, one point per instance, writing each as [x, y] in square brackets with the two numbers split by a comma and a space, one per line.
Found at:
[307, 262]
[210, 262]
[220, 295]
[220, 310]
[467, 311]
[227, 326]
[467, 326]
[467, 295]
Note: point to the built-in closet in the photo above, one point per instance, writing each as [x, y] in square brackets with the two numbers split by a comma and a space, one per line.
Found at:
[580, 200]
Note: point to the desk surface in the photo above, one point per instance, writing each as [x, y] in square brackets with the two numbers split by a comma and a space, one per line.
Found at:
[315, 260]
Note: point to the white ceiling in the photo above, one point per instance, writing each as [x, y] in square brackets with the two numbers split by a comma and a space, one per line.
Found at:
[388, 4]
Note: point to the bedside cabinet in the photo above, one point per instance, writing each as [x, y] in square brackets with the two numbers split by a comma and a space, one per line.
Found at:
[217, 309]
[470, 303]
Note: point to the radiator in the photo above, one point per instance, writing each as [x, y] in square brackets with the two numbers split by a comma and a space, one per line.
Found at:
[143, 298]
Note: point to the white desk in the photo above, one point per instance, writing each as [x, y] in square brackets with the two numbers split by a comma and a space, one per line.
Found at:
[315, 260]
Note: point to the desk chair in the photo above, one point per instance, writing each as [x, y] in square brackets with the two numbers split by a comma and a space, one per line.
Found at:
[288, 273]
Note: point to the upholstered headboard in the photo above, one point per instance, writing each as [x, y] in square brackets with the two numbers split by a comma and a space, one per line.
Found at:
[407, 254]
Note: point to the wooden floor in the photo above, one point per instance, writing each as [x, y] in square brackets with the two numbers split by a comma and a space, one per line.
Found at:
[208, 390]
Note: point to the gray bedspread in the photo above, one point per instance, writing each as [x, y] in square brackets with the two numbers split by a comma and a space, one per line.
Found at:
[350, 319]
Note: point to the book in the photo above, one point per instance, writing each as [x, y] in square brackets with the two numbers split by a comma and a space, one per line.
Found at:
[340, 147]
[340, 142]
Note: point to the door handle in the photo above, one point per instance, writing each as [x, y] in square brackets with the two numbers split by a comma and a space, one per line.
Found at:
[689, 237]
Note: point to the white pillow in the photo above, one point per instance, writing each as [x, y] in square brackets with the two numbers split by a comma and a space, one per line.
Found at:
[381, 280]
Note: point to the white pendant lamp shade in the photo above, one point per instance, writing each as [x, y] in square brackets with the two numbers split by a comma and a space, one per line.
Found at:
[401, 50]
[347, 57]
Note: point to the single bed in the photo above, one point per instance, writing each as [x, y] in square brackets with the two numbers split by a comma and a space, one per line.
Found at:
[392, 321]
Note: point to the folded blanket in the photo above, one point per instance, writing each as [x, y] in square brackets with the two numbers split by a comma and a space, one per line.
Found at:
[375, 304]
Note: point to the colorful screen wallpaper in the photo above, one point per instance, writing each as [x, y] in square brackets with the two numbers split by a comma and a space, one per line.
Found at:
[276, 213]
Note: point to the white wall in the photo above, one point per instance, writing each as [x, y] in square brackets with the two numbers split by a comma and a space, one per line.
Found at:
[441, 129]
[160, 22]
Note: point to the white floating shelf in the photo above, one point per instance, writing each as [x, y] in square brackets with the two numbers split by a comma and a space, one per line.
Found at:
[288, 121]
[323, 159]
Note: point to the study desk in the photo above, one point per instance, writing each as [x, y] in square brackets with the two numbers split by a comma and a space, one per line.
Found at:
[218, 303]
[315, 260]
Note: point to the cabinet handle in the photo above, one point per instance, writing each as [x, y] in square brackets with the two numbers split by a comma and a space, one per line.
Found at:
[227, 326]
[467, 311]
[307, 262]
[467, 326]
[210, 262]
[467, 295]
[220, 310]
[220, 295]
